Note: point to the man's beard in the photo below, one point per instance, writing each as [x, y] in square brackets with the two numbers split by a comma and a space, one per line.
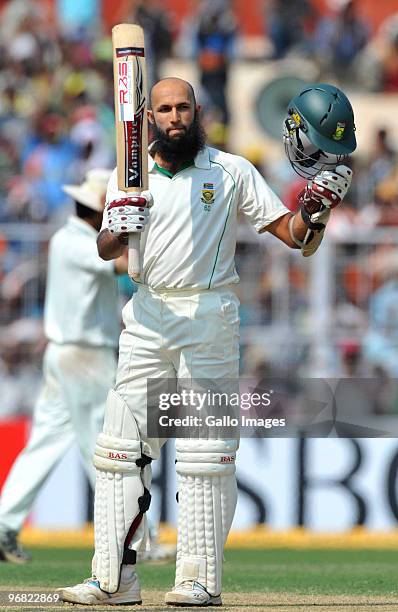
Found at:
[182, 148]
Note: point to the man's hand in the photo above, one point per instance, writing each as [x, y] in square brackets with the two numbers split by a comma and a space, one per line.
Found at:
[326, 189]
[324, 192]
[129, 214]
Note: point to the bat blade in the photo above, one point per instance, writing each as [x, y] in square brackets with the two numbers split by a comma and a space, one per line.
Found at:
[130, 84]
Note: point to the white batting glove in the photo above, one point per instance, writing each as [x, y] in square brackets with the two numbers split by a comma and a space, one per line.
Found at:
[332, 185]
[129, 214]
[325, 191]
[327, 188]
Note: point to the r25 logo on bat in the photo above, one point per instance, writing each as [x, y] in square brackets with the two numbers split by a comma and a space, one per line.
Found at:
[124, 82]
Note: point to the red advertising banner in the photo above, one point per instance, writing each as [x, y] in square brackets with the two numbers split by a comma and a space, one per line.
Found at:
[13, 436]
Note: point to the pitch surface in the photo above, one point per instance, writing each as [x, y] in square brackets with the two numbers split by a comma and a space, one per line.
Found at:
[271, 580]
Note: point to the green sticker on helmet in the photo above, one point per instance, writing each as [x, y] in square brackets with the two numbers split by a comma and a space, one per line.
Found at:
[339, 133]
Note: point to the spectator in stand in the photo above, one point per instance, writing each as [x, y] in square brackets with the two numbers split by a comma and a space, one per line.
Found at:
[389, 59]
[386, 197]
[78, 17]
[339, 39]
[382, 159]
[48, 162]
[379, 62]
[287, 24]
[8, 166]
[383, 156]
[89, 137]
[216, 39]
[155, 20]
[381, 341]
[213, 39]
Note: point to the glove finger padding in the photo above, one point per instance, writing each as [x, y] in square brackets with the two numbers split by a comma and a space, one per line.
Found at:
[129, 214]
[331, 186]
[134, 224]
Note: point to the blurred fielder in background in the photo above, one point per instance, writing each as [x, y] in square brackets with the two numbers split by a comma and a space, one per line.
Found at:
[81, 324]
[183, 323]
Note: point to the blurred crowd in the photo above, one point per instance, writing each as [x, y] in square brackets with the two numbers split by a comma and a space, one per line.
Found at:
[57, 122]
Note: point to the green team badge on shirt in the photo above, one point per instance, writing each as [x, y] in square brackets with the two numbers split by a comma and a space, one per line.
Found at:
[207, 196]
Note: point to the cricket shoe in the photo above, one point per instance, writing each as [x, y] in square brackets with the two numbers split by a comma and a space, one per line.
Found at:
[10, 549]
[191, 593]
[90, 593]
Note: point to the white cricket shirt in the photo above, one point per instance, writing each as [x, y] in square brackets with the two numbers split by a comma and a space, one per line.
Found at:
[81, 305]
[190, 239]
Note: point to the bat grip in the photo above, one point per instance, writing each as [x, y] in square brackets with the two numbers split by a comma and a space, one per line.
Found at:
[134, 267]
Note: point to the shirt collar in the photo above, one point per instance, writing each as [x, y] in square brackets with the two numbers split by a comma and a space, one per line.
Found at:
[82, 226]
[202, 160]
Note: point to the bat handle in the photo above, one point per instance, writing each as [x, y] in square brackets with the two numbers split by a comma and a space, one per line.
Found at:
[134, 257]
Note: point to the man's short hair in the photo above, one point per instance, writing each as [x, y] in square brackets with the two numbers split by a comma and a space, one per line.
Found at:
[83, 212]
[190, 88]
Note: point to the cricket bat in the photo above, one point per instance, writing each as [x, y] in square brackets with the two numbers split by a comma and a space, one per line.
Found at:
[130, 82]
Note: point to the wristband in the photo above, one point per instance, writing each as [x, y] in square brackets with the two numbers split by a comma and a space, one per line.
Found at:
[306, 217]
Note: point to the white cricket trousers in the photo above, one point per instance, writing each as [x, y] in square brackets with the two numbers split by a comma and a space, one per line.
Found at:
[70, 407]
[178, 335]
[181, 334]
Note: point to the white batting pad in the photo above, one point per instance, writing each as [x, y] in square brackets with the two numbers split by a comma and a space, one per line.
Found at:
[117, 491]
[207, 500]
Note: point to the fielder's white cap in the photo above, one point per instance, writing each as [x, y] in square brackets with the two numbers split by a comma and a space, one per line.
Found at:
[91, 192]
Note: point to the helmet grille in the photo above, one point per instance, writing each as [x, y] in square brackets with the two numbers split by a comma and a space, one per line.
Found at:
[305, 159]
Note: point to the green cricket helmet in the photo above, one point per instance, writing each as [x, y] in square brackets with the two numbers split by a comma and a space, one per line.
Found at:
[319, 131]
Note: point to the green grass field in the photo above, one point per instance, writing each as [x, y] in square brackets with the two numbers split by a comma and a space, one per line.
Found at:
[263, 579]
